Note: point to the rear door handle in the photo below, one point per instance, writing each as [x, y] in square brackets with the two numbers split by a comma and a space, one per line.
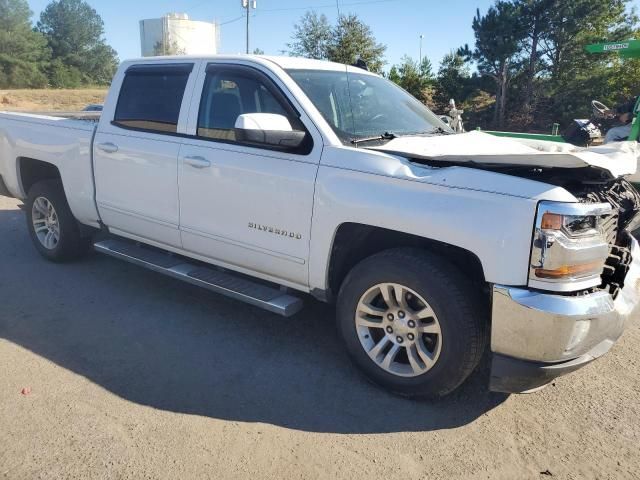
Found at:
[197, 161]
[108, 147]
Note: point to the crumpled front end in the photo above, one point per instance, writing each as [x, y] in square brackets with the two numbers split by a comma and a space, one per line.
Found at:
[583, 288]
[538, 336]
[484, 151]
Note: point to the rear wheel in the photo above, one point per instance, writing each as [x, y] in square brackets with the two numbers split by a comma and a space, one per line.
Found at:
[53, 228]
[411, 322]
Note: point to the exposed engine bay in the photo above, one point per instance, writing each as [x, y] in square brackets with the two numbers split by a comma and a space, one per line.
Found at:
[624, 198]
[591, 175]
[589, 185]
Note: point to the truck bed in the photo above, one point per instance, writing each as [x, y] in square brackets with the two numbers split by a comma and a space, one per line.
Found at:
[63, 142]
[75, 115]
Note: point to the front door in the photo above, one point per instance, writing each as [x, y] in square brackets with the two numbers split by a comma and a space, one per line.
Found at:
[244, 206]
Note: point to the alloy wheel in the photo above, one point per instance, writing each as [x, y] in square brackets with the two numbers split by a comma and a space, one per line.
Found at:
[398, 329]
[45, 223]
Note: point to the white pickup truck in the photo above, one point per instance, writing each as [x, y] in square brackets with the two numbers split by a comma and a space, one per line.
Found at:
[265, 178]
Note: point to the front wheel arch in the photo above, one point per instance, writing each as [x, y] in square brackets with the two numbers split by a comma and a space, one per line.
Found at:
[353, 242]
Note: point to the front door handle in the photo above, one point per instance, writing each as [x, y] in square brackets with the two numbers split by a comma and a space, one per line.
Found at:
[197, 161]
[108, 147]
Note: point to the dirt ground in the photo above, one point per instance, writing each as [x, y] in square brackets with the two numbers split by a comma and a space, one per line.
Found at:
[135, 375]
[48, 100]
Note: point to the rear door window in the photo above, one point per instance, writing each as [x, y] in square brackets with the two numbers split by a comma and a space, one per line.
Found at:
[151, 96]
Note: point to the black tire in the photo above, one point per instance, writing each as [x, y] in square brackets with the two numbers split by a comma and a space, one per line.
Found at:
[460, 312]
[71, 244]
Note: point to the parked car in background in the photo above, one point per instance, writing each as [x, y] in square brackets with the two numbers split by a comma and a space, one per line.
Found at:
[94, 107]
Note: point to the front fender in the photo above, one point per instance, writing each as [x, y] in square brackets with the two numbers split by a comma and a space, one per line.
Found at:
[486, 213]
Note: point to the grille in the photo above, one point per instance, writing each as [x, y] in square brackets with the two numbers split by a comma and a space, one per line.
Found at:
[609, 226]
[625, 200]
[617, 264]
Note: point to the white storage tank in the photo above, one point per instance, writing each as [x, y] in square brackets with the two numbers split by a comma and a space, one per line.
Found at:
[175, 34]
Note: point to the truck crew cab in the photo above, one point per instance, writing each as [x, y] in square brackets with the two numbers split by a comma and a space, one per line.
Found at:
[266, 177]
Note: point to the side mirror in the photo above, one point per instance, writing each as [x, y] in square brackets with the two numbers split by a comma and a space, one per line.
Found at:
[268, 129]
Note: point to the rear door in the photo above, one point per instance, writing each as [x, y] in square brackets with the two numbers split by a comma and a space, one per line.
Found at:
[136, 154]
[246, 206]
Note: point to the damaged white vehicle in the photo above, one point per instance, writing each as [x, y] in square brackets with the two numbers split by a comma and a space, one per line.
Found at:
[266, 178]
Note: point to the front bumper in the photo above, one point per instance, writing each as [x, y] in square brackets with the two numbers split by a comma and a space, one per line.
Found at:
[537, 337]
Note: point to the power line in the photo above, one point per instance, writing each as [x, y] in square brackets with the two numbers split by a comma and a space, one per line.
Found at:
[234, 20]
[327, 5]
[308, 7]
[246, 5]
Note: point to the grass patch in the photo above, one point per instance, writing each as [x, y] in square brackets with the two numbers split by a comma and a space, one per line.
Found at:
[49, 100]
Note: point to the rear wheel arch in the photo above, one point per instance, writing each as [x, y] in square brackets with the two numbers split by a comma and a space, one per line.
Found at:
[32, 171]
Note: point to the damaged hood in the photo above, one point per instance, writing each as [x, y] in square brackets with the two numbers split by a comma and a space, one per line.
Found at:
[616, 159]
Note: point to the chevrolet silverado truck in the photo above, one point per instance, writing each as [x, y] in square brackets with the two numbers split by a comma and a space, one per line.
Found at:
[268, 178]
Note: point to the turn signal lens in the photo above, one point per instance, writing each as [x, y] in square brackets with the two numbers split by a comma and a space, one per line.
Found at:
[551, 221]
[569, 271]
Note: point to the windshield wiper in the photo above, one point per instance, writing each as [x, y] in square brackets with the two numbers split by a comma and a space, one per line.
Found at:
[434, 130]
[384, 136]
[440, 130]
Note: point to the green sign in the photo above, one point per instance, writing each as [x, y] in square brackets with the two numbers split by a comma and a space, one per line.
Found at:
[626, 48]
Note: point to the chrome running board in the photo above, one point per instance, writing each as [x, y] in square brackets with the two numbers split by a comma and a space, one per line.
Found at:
[224, 282]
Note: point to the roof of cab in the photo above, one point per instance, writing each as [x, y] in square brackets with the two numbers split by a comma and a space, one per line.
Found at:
[284, 62]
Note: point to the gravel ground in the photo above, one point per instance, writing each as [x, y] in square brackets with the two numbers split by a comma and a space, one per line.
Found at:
[135, 375]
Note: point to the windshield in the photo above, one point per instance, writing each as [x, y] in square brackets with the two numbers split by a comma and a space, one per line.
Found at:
[359, 105]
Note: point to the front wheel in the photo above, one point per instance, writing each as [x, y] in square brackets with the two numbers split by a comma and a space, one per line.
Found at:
[52, 227]
[411, 322]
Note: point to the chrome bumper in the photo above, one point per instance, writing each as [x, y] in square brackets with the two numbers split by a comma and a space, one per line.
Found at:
[536, 336]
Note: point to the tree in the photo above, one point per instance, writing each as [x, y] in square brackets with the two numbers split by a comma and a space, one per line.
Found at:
[394, 75]
[453, 80]
[499, 35]
[554, 58]
[347, 42]
[530, 55]
[351, 39]
[575, 76]
[573, 24]
[311, 37]
[74, 32]
[23, 52]
[535, 18]
[417, 79]
[258, 51]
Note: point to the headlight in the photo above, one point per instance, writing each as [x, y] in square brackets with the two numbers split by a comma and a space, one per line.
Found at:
[571, 224]
[570, 245]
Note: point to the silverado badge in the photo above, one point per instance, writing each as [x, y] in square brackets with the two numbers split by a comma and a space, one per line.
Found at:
[275, 231]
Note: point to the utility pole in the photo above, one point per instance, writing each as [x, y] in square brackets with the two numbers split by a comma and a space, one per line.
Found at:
[421, 37]
[248, 5]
